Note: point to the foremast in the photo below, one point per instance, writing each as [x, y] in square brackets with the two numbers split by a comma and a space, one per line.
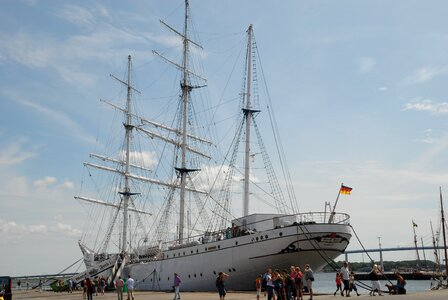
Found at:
[125, 164]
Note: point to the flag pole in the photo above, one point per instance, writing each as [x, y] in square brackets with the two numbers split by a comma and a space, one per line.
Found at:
[330, 220]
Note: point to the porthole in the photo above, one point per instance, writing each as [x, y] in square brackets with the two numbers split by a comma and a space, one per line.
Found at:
[233, 269]
[200, 274]
[191, 251]
[214, 272]
[280, 234]
[189, 276]
[167, 256]
[266, 236]
[197, 250]
[236, 243]
[168, 279]
[261, 237]
[219, 246]
[159, 278]
[194, 275]
[151, 279]
[205, 248]
[230, 270]
[257, 238]
[184, 253]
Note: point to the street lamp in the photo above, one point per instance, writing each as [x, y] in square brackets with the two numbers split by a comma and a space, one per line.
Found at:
[381, 254]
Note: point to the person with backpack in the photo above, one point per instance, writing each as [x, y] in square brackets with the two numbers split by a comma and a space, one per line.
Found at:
[220, 285]
[279, 285]
[309, 278]
[288, 284]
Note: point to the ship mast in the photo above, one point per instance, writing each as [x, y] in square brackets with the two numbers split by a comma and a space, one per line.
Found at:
[128, 127]
[185, 96]
[444, 235]
[248, 114]
[415, 243]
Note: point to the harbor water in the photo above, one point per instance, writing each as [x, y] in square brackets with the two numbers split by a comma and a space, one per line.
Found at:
[325, 283]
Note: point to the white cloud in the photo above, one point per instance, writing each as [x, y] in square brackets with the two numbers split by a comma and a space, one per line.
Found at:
[76, 15]
[13, 154]
[26, 50]
[67, 185]
[45, 182]
[59, 117]
[67, 230]
[424, 74]
[365, 64]
[382, 88]
[428, 106]
[11, 230]
[145, 159]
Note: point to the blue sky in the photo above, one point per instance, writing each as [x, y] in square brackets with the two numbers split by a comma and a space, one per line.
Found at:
[359, 89]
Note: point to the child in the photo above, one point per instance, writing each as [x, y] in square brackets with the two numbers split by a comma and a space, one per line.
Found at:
[352, 283]
[258, 282]
[338, 284]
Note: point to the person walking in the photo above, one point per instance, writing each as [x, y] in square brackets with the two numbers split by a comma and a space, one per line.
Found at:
[176, 285]
[309, 278]
[130, 287]
[258, 283]
[40, 286]
[119, 284]
[103, 285]
[90, 286]
[338, 284]
[220, 285]
[353, 284]
[375, 275]
[345, 274]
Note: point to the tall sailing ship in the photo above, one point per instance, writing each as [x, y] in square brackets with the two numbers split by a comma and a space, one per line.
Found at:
[171, 208]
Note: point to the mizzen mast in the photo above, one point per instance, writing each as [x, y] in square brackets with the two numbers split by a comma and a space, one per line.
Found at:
[248, 115]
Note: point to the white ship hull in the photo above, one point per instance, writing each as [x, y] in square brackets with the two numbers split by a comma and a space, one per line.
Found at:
[243, 258]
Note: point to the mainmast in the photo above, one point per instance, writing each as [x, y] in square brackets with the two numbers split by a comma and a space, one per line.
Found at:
[185, 96]
[248, 114]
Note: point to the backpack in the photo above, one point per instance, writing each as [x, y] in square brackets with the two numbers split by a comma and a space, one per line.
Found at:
[219, 282]
[288, 280]
[278, 283]
[264, 282]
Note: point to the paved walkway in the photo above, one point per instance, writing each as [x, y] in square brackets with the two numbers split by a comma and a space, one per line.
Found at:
[431, 295]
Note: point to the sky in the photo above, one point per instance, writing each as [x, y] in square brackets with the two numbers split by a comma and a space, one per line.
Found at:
[359, 89]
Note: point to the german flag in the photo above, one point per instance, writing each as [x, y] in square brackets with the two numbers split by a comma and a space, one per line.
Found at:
[345, 190]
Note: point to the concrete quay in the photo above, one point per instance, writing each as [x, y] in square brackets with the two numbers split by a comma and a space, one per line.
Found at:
[35, 295]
